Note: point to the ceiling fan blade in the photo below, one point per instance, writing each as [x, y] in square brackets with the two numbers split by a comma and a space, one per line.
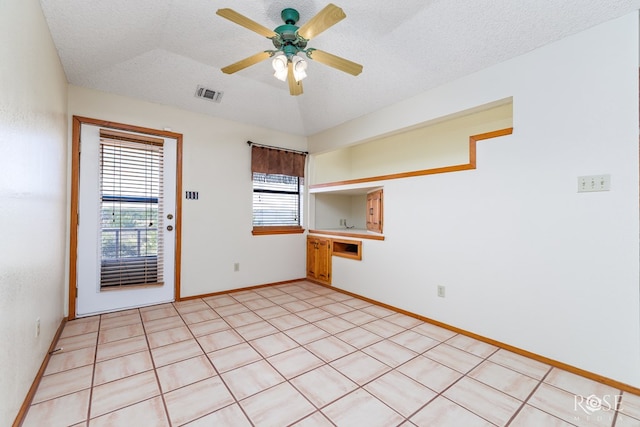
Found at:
[246, 62]
[295, 88]
[327, 17]
[242, 20]
[334, 61]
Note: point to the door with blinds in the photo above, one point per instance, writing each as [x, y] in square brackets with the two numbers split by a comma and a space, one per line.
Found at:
[126, 236]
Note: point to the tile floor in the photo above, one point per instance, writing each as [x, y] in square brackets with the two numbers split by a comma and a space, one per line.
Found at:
[305, 355]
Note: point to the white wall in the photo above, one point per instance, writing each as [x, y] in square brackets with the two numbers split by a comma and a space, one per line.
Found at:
[216, 228]
[525, 259]
[33, 204]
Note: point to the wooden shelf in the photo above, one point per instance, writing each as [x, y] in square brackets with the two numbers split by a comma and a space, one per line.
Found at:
[351, 249]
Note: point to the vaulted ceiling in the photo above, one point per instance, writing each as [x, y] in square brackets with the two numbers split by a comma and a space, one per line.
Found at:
[162, 50]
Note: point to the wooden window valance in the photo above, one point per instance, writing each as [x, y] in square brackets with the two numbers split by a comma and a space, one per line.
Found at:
[274, 161]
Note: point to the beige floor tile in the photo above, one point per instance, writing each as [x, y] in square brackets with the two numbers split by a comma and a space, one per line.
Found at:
[294, 362]
[256, 330]
[483, 400]
[444, 413]
[630, 405]
[233, 357]
[208, 327]
[356, 303]
[504, 379]
[377, 311]
[81, 326]
[163, 324]
[383, 328]
[278, 406]
[288, 321]
[323, 385]
[242, 319]
[578, 385]
[120, 332]
[251, 379]
[390, 353]
[319, 301]
[360, 367]
[414, 341]
[358, 317]
[434, 375]
[65, 382]
[121, 367]
[62, 411]
[330, 348]
[190, 306]
[564, 405]
[175, 352]
[283, 299]
[185, 372]
[271, 312]
[433, 331]
[228, 310]
[313, 314]
[473, 346]
[244, 296]
[219, 340]
[121, 348]
[199, 316]
[273, 344]
[334, 325]
[403, 320]
[530, 416]
[219, 301]
[623, 420]
[400, 392]
[76, 342]
[269, 292]
[231, 416]
[317, 419]
[297, 305]
[456, 359]
[65, 360]
[306, 333]
[361, 409]
[258, 303]
[359, 337]
[524, 365]
[187, 403]
[337, 308]
[118, 321]
[158, 312]
[146, 413]
[169, 336]
[123, 392]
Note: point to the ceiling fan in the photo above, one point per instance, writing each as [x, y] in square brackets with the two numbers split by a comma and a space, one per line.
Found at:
[290, 42]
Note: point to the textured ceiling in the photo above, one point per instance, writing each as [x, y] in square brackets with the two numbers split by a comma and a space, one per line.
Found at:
[161, 50]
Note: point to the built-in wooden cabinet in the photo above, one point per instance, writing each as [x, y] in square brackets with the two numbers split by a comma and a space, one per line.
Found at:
[374, 211]
[319, 259]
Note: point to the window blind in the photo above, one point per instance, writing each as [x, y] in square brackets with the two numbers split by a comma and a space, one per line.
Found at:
[131, 209]
[276, 199]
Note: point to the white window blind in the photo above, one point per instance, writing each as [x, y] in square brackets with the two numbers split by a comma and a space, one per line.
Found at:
[131, 210]
[276, 199]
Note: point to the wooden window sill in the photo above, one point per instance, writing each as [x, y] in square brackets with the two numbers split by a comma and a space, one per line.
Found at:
[262, 231]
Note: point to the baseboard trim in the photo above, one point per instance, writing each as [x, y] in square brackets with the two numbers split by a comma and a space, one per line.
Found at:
[247, 288]
[555, 363]
[22, 413]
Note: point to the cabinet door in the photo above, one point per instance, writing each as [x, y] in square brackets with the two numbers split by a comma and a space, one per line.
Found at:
[374, 211]
[323, 260]
[311, 257]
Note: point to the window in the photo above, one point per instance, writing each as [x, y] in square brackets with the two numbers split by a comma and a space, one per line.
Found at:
[277, 200]
[278, 186]
[130, 211]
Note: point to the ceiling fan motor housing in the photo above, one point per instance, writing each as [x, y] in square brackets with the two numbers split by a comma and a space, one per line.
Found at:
[288, 39]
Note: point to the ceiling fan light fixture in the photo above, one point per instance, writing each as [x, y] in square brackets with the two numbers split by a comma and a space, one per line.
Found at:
[279, 62]
[299, 68]
[281, 74]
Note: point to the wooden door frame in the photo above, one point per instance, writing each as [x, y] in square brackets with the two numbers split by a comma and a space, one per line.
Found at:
[77, 122]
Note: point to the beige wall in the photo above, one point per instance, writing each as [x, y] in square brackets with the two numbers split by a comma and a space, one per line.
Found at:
[33, 204]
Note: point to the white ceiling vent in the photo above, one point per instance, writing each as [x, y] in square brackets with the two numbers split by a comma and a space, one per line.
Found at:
[209, 94]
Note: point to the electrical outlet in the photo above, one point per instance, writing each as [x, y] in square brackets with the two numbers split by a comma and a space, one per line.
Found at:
[37, 327]
[236, 266]
[441, 291]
